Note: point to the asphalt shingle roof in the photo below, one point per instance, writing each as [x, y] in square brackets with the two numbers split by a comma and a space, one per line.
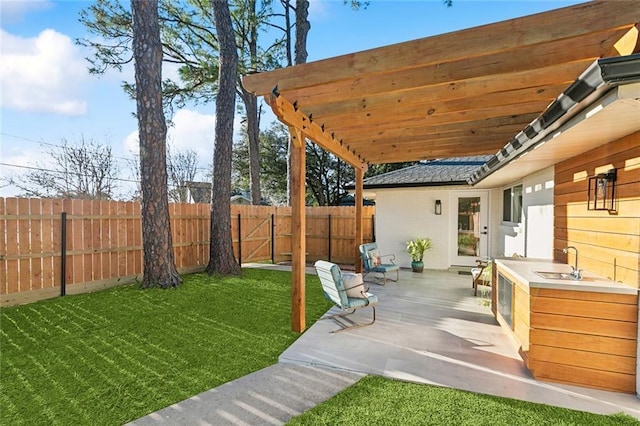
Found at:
[449, 171]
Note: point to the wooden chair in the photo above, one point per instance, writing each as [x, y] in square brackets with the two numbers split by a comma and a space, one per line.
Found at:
[333, 286]
[481, 274]
[372, 262]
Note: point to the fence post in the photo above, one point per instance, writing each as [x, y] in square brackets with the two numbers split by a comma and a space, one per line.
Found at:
[273, 234]
[329, 237]
[239, 240]
[63, 255]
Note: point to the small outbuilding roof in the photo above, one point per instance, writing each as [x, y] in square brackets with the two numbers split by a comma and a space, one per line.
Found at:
[442, 172]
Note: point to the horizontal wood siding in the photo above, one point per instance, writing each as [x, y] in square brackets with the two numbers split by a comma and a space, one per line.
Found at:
[104, 241]
[561, 373]
[592, 335]
[608, 242]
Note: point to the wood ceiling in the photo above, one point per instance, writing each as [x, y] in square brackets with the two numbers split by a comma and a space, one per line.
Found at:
[463, 93]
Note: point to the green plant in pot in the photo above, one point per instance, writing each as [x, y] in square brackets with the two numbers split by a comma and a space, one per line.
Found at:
[416, 249]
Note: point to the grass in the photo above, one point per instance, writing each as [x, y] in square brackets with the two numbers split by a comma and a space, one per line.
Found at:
[110, 357]
[379, 401]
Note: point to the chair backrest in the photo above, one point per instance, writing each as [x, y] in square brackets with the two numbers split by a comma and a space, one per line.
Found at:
[367, 260]
[331, 279]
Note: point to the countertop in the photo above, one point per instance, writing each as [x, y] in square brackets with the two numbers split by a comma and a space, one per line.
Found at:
[525, 270]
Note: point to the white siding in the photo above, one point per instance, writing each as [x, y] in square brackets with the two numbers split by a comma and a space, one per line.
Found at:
[538, 210]
[404, 214]
[533, 236]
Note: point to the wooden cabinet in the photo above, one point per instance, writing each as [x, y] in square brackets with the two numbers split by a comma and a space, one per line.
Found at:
[570, 333]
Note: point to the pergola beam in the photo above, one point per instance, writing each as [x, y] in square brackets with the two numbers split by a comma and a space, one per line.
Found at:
[537, 29]
[289, 114]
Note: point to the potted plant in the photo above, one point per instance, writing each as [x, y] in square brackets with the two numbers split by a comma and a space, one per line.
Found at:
[416, 249]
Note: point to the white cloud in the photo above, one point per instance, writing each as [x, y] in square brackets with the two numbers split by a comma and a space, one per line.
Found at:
[12, 11]
[191, 130]
[42, 74]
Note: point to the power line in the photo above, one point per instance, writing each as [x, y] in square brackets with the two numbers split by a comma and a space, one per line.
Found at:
[62, 172]
[128, 160]
[57, 145]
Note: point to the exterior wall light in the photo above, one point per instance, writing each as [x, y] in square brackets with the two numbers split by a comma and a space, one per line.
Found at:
[601, 191]
[438, 207]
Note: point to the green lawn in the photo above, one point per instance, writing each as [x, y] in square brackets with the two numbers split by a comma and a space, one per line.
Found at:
[379, 401]
[110, 357]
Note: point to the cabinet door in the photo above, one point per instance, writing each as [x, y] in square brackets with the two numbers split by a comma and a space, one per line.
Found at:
[505, 299]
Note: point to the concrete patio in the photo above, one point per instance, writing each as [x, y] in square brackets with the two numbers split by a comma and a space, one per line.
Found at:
[429, 329]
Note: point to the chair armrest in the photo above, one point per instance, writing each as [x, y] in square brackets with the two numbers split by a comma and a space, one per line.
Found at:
[391, 256]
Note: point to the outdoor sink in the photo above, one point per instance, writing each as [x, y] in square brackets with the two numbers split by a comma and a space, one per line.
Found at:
[556, 275]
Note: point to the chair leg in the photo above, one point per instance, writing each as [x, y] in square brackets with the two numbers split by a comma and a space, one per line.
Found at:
[383, 278]
[377, 282]
[345, 314]
[391, 279]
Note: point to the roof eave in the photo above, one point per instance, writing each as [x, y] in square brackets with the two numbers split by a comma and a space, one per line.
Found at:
[597, 80]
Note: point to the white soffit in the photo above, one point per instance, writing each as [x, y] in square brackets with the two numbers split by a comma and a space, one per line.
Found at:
[614, 116]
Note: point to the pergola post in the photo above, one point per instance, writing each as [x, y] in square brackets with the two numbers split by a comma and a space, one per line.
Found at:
[359, 231]
[298, 225]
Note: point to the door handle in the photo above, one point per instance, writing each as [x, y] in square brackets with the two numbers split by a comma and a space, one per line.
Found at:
[484, 233]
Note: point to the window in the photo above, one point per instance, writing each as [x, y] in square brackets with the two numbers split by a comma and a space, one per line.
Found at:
[512, 204]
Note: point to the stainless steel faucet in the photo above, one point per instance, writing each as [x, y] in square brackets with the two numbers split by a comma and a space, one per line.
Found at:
[575, 272]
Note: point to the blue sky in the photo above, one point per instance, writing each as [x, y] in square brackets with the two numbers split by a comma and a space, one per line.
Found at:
[47, 94]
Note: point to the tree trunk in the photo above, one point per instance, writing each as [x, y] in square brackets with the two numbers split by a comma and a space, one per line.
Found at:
[253, 120]
[253, 134]
[222, 260]
[302, 29]
[158, 263]
[253, 131]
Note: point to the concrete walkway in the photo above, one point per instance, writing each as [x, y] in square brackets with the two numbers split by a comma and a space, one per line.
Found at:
[430, 329]
[270, 396]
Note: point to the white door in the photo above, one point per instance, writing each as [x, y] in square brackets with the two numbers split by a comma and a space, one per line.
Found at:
[470, 233]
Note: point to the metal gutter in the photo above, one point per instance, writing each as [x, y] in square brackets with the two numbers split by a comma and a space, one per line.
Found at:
[595, 82]
[411, 184]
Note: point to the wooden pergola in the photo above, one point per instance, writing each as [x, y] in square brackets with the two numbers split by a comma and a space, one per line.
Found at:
[457, 94]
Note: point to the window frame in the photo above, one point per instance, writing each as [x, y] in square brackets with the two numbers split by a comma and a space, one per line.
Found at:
[513, 194]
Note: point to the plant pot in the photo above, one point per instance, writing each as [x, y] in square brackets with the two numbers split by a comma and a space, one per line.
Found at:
[417, 266]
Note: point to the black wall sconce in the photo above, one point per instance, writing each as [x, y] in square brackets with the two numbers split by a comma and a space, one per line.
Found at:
[601, 191]
[438, 207]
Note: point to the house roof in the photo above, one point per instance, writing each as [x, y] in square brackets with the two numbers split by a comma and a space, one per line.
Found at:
[449, 95]
[442, 172]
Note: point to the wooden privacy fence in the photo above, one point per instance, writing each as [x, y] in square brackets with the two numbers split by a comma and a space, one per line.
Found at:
[103, 242]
